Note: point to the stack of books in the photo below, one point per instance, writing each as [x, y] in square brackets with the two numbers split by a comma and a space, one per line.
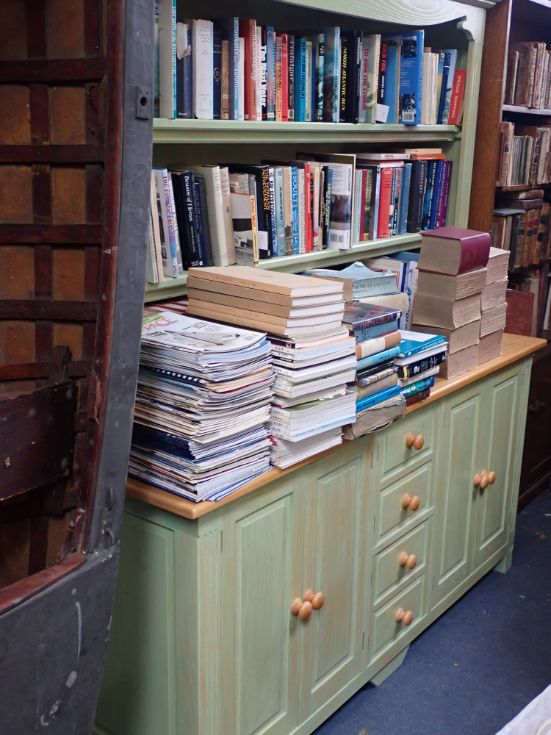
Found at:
[528, 75]
[377, 337]
[202, 406]
[493, 306]
[313, 356]
[452, 275]
[418, 362]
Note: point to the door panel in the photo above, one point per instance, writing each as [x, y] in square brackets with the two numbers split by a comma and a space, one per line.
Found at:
[458, 461]
[333, 559]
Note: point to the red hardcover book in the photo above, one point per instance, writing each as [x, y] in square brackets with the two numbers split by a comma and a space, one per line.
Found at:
[364, 173]
[519, 312]
[278, 79]
[383, 229]
[454, 250]
[284, 77]
[456, 103]
[247, 29]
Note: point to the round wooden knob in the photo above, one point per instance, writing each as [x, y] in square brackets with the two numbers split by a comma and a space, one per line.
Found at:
[411, 561]
[403, 558]
[318, 600]
[476, 479]
[305, 610]
[409, 440]
[408, 618]
[399, 614]
[415, 503]
[296, 605]
[308, 595]
[491, 477]
[419, 442]
[484, 482]
[406, 500]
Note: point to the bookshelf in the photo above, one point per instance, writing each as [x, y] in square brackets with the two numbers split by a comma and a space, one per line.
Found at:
[451, 24]
[507, 22]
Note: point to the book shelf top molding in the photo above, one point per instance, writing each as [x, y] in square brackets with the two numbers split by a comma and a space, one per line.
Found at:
[408, 12]
[236, 131]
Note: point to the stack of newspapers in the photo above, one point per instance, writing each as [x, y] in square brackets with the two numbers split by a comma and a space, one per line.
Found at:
[202, 406]
[313, 354]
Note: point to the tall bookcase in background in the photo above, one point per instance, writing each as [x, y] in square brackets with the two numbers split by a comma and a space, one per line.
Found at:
[447, 23]
[509, 22]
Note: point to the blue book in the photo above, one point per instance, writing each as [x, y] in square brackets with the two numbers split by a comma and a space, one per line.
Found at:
[429, 189]
[331, 74]
[270, 72]
[449, 84]
[414, 342]
[376, 331]
[437, 185]
[216, 75]
[294, 209]
[376, 398]
[377, 358]
[300, 79]
[318, 44]
[392, 81]
[443, 85]
[404, 199]
[411, 77]
[418, 386]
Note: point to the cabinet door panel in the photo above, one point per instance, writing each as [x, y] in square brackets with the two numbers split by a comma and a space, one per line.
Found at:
[500, 422]
[261, 577]
[333, 560]
[458, 459]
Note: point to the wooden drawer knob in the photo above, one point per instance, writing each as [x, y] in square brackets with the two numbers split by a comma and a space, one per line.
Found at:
[409, 440]
[411, 562]
[404, 556]
[417, 442]
[484, 482]
[308, 595]
[318, 600]
[411, 503]
[492, 477]
[408, 617]
[305, 610]
[296, 605]
[399, 615]
[476, 479]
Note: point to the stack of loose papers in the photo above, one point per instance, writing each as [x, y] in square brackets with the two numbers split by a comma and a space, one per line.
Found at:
[313, 355]
[202, 406]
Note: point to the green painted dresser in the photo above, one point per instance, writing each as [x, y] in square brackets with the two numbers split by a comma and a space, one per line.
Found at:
[368, 543]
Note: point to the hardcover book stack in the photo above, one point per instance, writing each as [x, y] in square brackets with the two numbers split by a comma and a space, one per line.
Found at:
[493, 306]
[525, 155]
[528, 75]
[313, 356]
[202, 406]
[237, 69]
[452, 275]
[377, 337]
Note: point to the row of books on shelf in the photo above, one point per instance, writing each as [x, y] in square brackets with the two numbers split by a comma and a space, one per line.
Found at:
[263, 369]
[529, 303]
[529, 75]
[237, 69]
[237, 213]
[525, 155]
[521, 225]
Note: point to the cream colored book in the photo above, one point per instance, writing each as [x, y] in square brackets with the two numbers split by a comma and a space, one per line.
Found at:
[459, 363]
[295, 309]
[498, 265]
[451, 287]
[493, 319]
[458, 339]
[490, 346]
[287, 284]
[493, 295]
[436, 312]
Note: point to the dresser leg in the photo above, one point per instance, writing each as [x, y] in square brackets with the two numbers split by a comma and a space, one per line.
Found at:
[505, 564]
[390, 668]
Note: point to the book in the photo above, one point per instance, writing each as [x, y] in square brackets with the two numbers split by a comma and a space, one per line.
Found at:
[359, 280]
[520, 305]
[363, 316]
[166, 33]
[377, 344]
[411, 67]
[490, 346]
[419, 366]
[457, 338]
[498, 265]
[412, 343]
[450, 286]
[492, 320]
[493, 294]
[438, 312]
[460, 362]
[203, 43]
[377, 358]
[184, 81]
[454, 250]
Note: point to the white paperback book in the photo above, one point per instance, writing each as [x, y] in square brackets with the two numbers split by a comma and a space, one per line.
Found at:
[203, 31]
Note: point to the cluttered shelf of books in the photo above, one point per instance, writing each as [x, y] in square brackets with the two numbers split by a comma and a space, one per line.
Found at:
[258, 368]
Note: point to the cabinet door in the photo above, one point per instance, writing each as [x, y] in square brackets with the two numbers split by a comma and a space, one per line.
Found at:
[500, 423]
[458, 457]
[334, 555]
[262, 573]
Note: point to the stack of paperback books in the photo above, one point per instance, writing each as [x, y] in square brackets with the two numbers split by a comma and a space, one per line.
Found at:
[452, 275]
[377, 338]
[313, 356]
[493, 306]
[202, 406]
[418, 363]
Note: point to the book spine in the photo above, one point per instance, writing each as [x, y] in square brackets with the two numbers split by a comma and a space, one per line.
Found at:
[204, 221]
[374, 43]
[357, 230]
[301, 211]
[384, 203]
[167, 59]
[234, 64]
[228, 224]
[382, 73]
[429, 193]
[270, 73]
[419, 366]
[404, 199]
[172, 226]
[346, 71]
[254, 218]
[341, 206]
[271, 212]
[287, 209]
[183, 70]
[443, 87]
[216, 76]
[417, 193]
[284, 77]
[438, 188]
[264, 75]
[364, 79]
[308, 234]
[194, 253]
[397, 189]
[310, 76]
[278, 79]
[331, 75]
[357, 86]
[327, 206]
[320, 63]
[199, 221]
[449, 86]
[258, 72]
[212, 179]
[377, 358]
[369, 205]
[247, 30]
[295, 210]
[202, 69]
[225, 82]
[291, 79]
[300, 79]
[279, 211]
[411, 73]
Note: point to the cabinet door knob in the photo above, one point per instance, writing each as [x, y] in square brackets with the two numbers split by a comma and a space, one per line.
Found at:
[484, 482]
[409, 440]
[406, 500]
[404, 556]
[415, 503]
[419, 442]
[411, 561]
[308, 595]
[318, 600]
[305, 610]
[492, 477]
[476, 479]
[408, 617]
[399, 615]
[296, 605]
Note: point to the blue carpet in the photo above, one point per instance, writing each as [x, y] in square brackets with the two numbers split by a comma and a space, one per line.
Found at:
[480, 663]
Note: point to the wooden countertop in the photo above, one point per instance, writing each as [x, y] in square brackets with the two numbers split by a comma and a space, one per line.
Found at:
[515, 348]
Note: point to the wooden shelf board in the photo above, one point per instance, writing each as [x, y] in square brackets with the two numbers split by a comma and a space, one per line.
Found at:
[174, 287]
[515, 348]
[237, 131]
[526, 110]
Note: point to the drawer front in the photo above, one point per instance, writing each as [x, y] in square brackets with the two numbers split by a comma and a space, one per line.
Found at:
[395, 519]
[395, 455]
[401, 563]
[387, 630]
